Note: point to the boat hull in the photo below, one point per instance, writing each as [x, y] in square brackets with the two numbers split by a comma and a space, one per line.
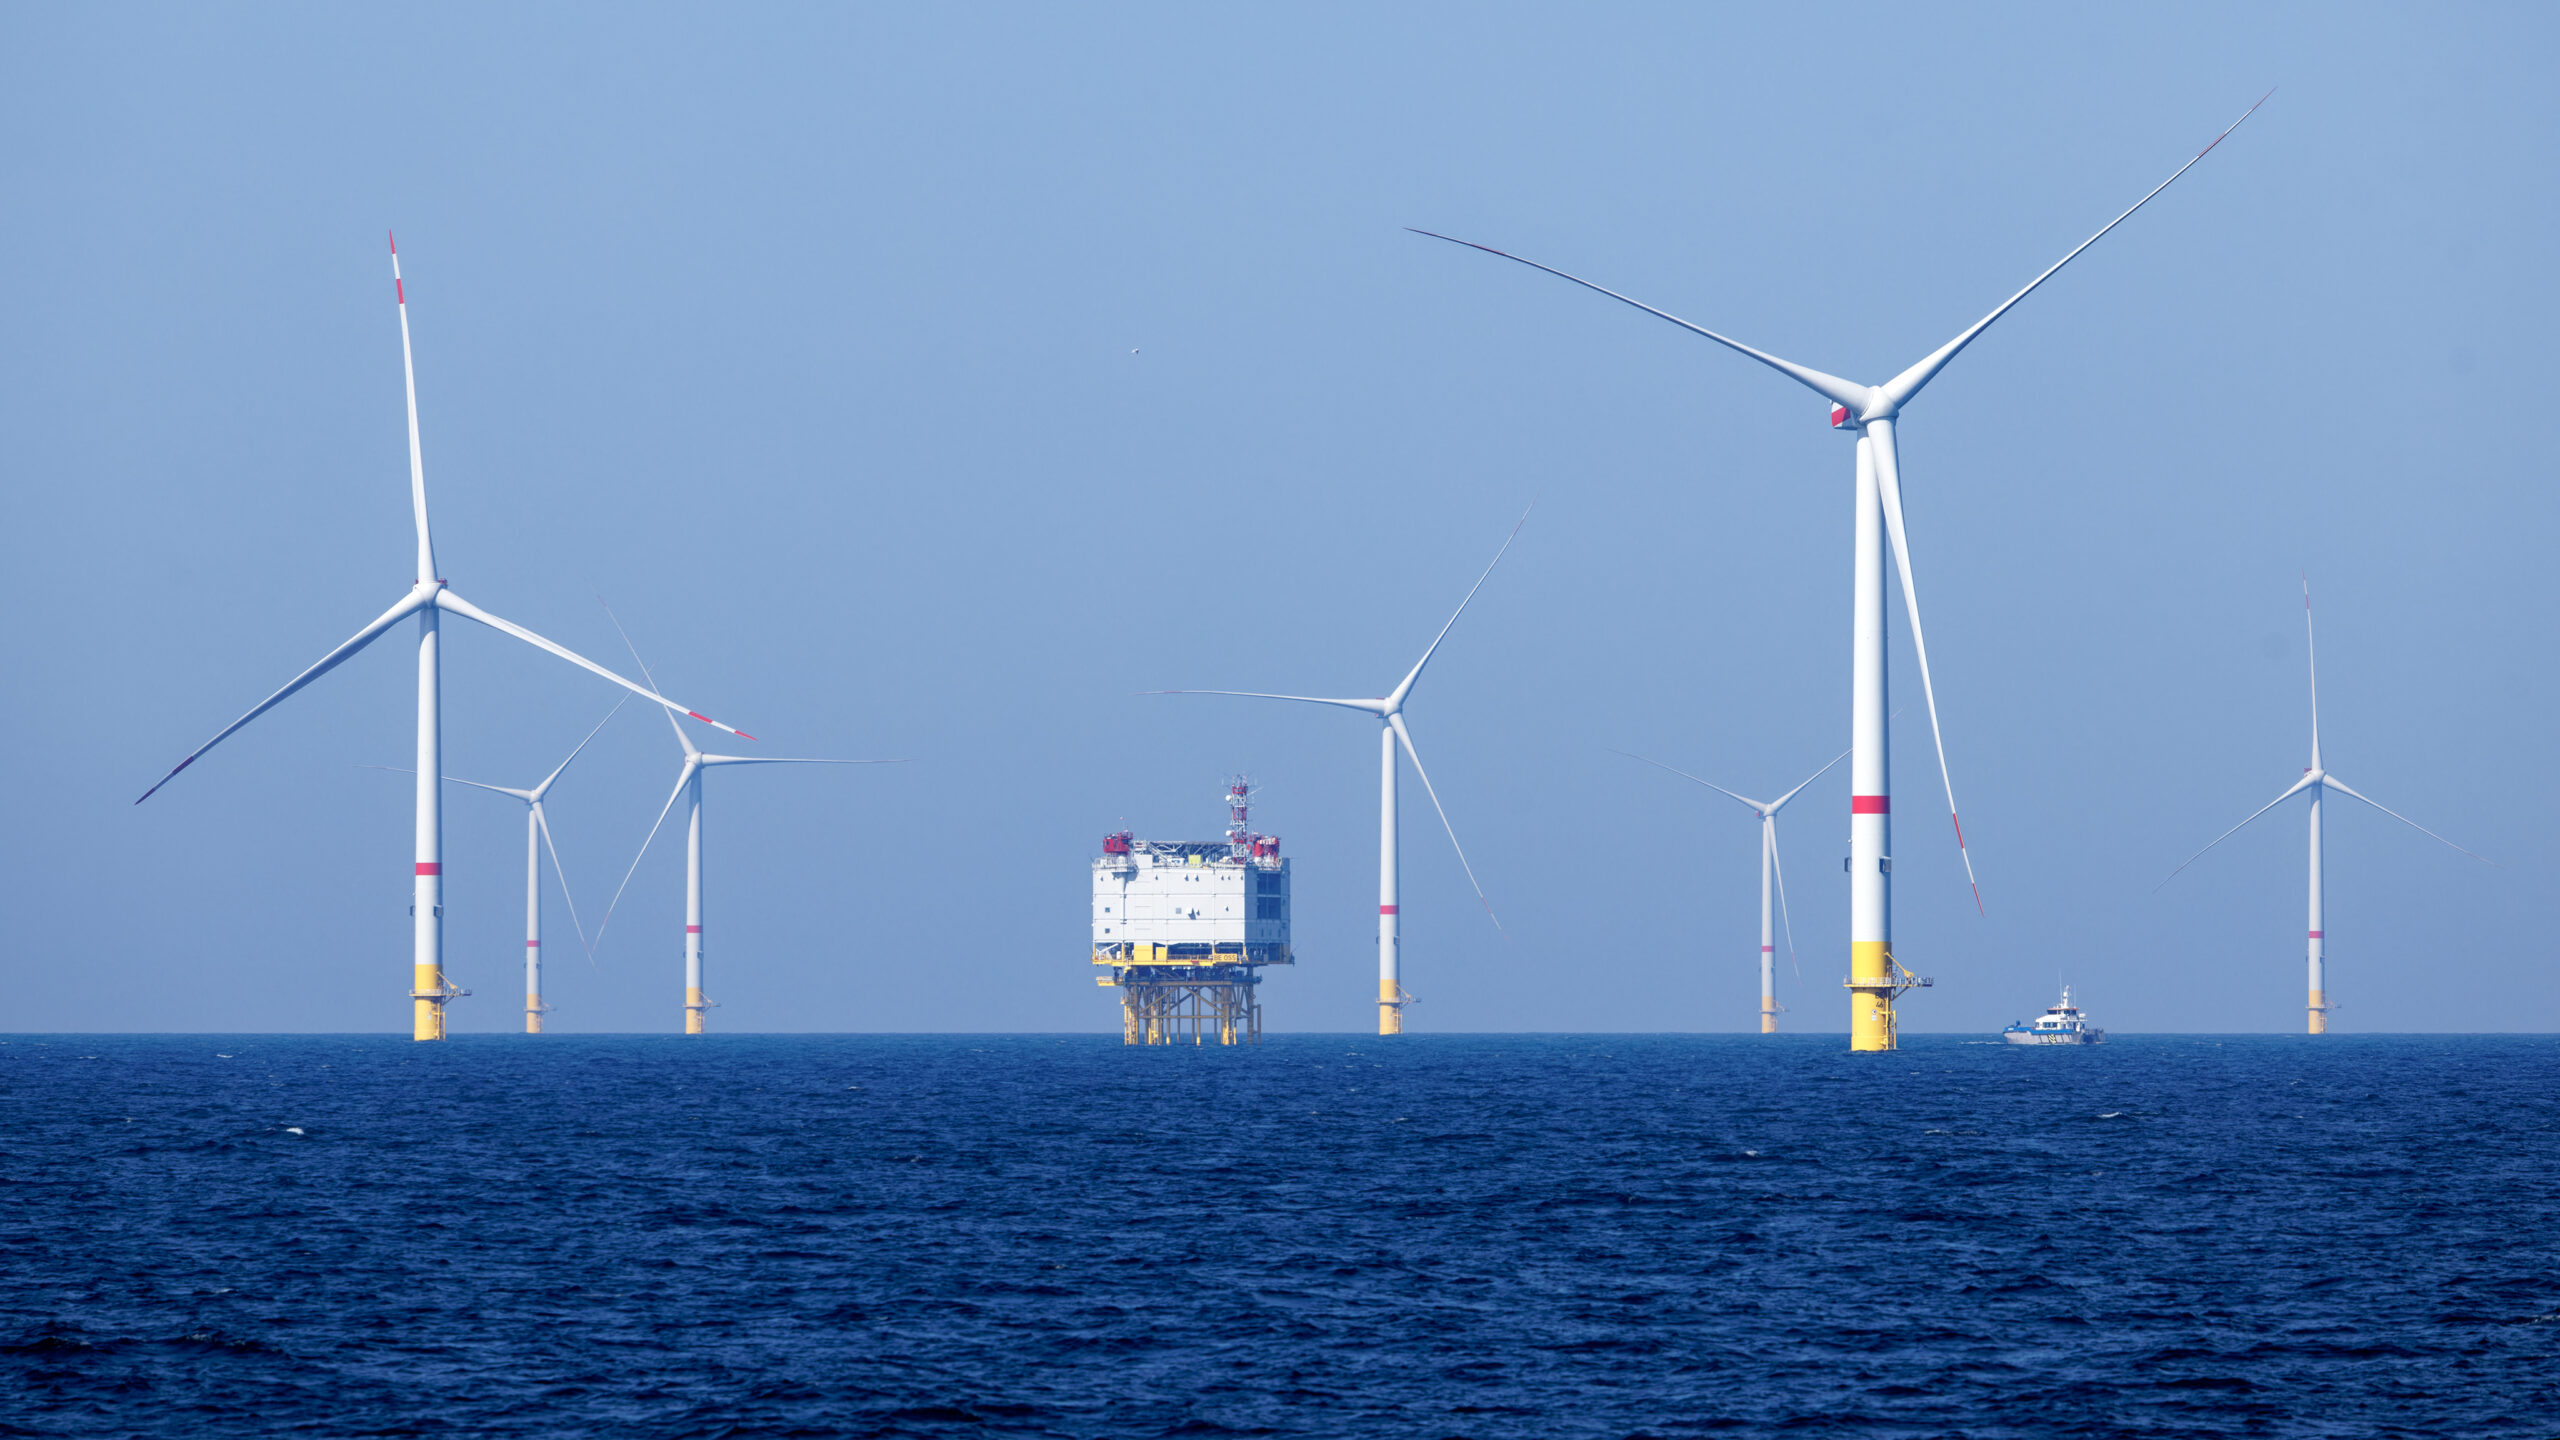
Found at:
[2054, 1037]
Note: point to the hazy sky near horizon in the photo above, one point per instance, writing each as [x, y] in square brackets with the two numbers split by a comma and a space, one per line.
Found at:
[930, 381]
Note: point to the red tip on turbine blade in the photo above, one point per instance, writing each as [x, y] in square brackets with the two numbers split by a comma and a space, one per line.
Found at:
[716, 725]
[395, 241]
[2236, 124]
[1977, 903]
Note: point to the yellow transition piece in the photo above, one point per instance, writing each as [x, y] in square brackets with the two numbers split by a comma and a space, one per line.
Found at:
[1870, 1011]
[426, 1003]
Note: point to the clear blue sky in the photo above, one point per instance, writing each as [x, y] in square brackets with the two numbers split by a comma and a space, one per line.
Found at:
[928, 381]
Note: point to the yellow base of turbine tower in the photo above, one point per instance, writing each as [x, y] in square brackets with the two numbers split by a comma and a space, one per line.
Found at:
[1875, 982]
[1392, 998]
[696, 1007]
[534, 1010]
[2319, 1012]
[428, 992]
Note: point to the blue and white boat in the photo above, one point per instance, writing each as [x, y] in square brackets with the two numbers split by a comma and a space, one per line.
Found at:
[2061, 1024]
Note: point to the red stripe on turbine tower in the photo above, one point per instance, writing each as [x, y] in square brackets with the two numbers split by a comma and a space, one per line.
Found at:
[2316, 935]
[1386, 909]
[1870, 804]
[430, 867]
[532, 944]
[693, 929]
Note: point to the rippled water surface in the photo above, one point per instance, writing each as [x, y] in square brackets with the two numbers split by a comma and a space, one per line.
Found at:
[1469, 1236]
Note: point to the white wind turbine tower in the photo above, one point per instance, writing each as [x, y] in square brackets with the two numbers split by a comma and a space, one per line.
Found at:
[537, 838]
[1871, 412]
[689, 788]
[1392, 996]
[1767, 810]
[2316, 779]
[428, 600]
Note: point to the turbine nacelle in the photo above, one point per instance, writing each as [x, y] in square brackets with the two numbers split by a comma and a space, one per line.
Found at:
[1878, 406]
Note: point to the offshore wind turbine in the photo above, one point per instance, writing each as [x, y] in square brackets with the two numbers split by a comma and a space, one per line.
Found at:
[1389, 708]
[537, 838]
[2316, 779]
[697, 1006]
[1870, 412]
[428, 599]
[1767, 810]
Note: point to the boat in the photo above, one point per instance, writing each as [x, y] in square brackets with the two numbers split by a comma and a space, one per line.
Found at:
[2061, 1024]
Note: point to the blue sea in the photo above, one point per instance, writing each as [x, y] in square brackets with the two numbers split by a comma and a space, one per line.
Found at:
[1549, 1236]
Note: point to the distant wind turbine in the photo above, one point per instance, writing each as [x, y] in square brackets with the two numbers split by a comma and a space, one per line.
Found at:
[428, 599]
[697, 1006]
[1767, 810]
[1392, 996]
[2316, 779]
[537, 838]
[1871, 412]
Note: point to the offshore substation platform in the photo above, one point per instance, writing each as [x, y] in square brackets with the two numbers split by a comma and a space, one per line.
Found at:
[1185, 927]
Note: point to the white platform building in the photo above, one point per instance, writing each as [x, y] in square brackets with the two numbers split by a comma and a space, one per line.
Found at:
[1184, 927]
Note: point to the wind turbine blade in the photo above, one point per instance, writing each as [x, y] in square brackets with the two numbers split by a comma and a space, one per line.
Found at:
[681, 738]
[542, 822]
[1830, 387]
[539, 790]
[2311, 653]
[1781, 802]
[789, 760]
[1889, 488]
[684, 777]
[2334, 783]
[409, 605]
[1778, 868]
[1756, 807]
[417, 462]
[2309, 779]
[447, 600]
[525, 795]
[1406, 736]
[1899, 390]
[1396, 697]
[1370, 707]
